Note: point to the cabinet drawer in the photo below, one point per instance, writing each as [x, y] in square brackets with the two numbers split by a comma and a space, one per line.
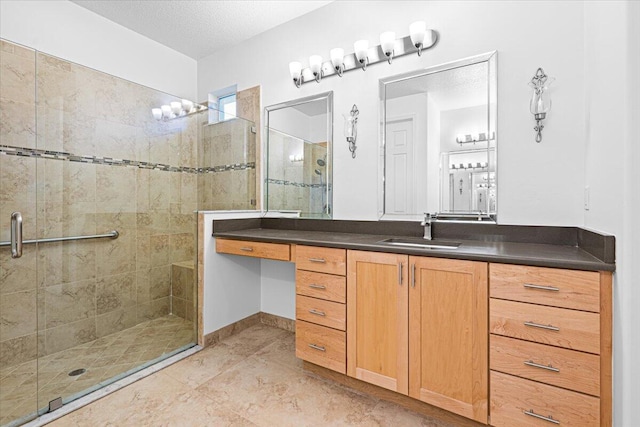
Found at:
[322, 346]
[512, 399]
[577, 330]
[320, 285]
[323, 260]
[569, 369]
[277, 251]
[321, 312]
[556, 287]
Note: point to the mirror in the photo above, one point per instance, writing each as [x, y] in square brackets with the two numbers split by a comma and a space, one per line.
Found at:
[438, 151]
[299, 137]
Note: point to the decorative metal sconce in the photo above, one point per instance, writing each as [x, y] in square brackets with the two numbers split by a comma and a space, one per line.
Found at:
[351, 129]
[540, 102]
[420, 38]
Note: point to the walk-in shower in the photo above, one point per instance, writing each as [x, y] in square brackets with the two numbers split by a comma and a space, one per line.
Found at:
[104, 283]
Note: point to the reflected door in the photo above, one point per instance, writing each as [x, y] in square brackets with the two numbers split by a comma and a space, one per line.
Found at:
[400, 200]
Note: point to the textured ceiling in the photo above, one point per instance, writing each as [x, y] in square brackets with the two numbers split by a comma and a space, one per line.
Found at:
[198, 28]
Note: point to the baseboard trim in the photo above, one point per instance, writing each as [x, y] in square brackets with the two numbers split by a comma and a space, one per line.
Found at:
[242, 324]
[390, 396]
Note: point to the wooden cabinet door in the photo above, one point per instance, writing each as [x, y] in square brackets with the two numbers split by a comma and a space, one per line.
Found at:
[377, 319]
[448, 336]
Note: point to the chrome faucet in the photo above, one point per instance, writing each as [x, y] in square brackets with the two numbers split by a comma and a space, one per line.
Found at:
[426, 223]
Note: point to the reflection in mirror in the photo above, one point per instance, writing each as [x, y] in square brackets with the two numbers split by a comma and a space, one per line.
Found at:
[299, 142]
[439, 141]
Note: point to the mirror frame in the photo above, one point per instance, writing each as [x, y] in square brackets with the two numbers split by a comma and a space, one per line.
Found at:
[491, 59]
[328, 96]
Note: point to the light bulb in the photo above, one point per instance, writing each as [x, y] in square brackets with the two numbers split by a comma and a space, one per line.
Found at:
[157, 113]
[315, 64]
[176, 107]
[361, 48]
[337, 59]
[418, 32]
[166, 111]
[187, 105]
[387, 41]
[295, 68]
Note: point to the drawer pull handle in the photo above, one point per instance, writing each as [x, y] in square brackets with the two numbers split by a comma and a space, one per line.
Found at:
[541, 417]
[314, 286]
[317, 313]
[317, 347]
[538, 325]
[246, 249]
[320, 260]
[537, 365]
[541, 287]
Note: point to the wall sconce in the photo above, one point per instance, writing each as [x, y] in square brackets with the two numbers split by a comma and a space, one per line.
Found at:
[315, 64]
[387, 42]
[390, 47]
[351, 129]
[418, 33]
[361, 50]
[337, 60]
[176, 109]
[540, 102]
[295, 69]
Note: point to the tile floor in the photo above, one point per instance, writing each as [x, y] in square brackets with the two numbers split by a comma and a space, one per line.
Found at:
[249, 379]
[22, 391]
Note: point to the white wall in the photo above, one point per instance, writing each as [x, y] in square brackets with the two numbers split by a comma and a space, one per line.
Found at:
[278, 288]
[612, 87]
[73, 33]
[466, 28]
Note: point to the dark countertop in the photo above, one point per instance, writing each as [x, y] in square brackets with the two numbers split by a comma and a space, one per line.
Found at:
[570, 256]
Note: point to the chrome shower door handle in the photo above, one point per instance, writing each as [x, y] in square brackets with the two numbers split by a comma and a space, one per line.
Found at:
[16, 235]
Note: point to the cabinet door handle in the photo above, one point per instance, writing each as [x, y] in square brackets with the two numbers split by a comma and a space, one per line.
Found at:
[317, 313]
[400, 274]
[413, 275]
[541, 417]
[317, 347]
[320, 260]
[537, 365]
[541, 287]
[314, 286]
[538, 325]
[246, 249]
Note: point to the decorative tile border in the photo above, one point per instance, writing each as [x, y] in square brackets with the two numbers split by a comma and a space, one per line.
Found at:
[293, 183]
[61, 155]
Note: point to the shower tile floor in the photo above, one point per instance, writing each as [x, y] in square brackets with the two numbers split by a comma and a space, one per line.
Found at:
[249, 379]
[103, 358]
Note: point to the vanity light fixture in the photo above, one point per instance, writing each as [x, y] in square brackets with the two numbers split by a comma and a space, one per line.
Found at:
[295, 69]
[361, 49]
[363, 55]
[315, 64]
[474, 137]
[418, 33]
[387, 42]
[176, 109]
[540, 102]
[351, 129]
[337, 60]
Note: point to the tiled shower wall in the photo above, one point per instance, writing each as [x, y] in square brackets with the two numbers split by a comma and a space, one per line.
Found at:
[65, 294]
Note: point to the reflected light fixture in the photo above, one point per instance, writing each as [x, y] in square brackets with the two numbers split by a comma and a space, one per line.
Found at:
[315, 64]
[351, 129]
[387, 42]
[418, 32]
[540, 101]
[157, 113]
[361, 48]
[176, 109]
[337, 60]
[295, 69]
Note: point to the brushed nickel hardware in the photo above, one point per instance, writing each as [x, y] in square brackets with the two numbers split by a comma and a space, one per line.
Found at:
[400, 274]
[317, 347]
[541, 417]
[537, 365]
[246, 249]
[426, 223]
[16, 235]
[314, 286]
[113, 234]
[538, 325]
[317, 313]
[413, 276]
[541, 287]
[320, 260]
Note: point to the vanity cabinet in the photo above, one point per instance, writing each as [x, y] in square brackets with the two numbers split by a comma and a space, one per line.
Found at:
[418, 326]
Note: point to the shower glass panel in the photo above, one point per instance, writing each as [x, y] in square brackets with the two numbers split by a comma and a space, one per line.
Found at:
[227, 164]
[86, 159]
